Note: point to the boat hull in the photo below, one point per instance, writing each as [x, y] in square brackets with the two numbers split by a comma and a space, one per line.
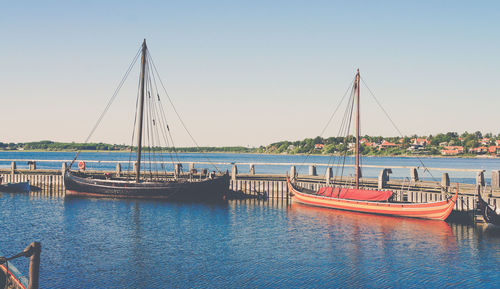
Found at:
[435, 210]
[489, 213]
[205, 190]
[13, 277]
[22, 187]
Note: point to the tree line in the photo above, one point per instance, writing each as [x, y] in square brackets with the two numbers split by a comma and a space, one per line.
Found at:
[317, 145]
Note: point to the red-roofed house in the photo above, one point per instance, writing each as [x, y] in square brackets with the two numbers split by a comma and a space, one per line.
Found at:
[478, 150]
[386, 144]
[494, 149]
[485, 141]
[449, 152]
[420, 141]
[460, 149]
[319, 146]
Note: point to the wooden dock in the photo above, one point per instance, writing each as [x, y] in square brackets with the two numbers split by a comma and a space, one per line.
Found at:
[274, 187]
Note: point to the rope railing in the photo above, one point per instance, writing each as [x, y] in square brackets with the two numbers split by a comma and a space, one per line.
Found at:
[33, 252]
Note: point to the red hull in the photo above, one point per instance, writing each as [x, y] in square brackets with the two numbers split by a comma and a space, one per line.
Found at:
[435, 210]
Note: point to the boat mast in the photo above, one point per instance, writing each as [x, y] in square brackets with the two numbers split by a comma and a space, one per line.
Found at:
[141, 108]
[357, 130]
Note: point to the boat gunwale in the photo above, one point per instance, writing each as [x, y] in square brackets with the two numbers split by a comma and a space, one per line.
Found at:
[133, 185]
[20, 279]
[435, 203]
[433, 211]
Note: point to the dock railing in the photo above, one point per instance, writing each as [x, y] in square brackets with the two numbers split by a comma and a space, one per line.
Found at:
[274, 184]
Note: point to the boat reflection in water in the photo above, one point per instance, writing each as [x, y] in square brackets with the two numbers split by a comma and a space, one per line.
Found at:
[390, 249]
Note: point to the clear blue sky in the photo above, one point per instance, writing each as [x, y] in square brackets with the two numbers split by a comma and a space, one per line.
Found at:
[249, 72]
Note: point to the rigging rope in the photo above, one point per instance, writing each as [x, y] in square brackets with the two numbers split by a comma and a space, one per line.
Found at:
[329, 120]
[396, 127]
[109, 103]
[178, 116]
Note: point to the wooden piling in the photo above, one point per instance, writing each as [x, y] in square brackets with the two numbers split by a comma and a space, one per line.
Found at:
[34, 270]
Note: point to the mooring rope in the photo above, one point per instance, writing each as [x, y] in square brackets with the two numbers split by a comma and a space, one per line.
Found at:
[27, 252]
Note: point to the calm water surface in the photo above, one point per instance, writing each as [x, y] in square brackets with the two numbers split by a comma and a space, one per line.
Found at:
[98, 243]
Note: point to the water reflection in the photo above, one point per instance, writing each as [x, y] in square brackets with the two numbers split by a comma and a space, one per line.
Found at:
[242, 243]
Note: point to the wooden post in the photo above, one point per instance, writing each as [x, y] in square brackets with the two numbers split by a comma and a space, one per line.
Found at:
[118, 170]
[312, 171]
[234, 172]
[13, 167]
[383, 178]
[63, 168]
[252, 169]
[34, 271]
[32, 165]
[445, 182]
[293, 173]
[414, 175]
[495, 179]
[480, 179]
[177, 169]
[328, 175]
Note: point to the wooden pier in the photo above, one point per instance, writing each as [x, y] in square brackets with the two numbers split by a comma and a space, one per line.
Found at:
[274, 187]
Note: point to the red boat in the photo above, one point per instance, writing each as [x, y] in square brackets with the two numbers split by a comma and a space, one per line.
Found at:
[434, 210]
[369, 200]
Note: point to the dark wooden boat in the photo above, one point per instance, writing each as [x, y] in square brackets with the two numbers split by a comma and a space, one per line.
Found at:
[368, 200]
[150, 183]
[21, 187]
[490, 214]
[180, 190]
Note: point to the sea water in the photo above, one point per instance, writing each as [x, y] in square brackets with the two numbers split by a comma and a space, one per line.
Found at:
[103, 243]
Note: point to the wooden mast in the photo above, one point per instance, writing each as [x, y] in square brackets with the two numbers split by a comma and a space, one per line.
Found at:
[141, 108]
[357, 130]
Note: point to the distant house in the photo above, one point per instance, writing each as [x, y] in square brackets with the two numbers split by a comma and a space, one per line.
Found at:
[479, 150]
[319, 146]
[494, 149]
[449, 152]
[367, 143]
[415, 147]
[385, 144]
[485, 141]
[420, 141]
[460, 149]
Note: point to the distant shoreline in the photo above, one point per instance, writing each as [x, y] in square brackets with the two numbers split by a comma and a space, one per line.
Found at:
[263, 153]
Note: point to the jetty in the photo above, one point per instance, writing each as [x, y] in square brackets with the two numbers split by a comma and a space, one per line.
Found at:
[49, 182]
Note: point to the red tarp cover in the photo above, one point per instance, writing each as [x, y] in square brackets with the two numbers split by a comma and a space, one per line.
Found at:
[355, 194]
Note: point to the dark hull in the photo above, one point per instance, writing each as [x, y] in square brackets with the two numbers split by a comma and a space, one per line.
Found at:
[489, 214]
[205, 190]
[23, 187]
